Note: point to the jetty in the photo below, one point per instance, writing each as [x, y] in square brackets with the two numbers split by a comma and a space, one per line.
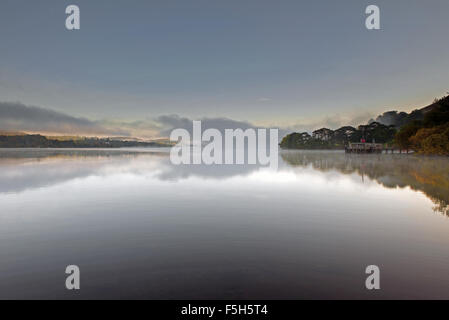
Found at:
[364, 147]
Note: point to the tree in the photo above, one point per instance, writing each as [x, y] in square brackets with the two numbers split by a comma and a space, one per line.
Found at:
[402, 138]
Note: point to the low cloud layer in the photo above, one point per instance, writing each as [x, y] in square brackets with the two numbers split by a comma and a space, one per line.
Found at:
[19, 117]
[170, 122]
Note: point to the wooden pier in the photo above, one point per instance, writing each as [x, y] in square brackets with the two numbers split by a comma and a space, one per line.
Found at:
[363, 147]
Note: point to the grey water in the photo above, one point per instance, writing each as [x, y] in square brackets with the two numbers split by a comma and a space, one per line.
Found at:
[139, 227]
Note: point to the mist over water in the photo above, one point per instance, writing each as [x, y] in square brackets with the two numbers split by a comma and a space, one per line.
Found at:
[140, 227]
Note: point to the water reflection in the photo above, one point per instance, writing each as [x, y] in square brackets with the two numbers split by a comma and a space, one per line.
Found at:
[35, 168]
[22, 170]
[429, 175]
[139, 227]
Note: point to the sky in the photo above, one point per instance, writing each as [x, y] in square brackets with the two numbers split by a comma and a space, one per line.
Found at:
[135, 66]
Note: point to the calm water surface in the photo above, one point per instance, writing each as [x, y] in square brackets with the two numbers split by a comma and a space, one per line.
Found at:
[139, 227]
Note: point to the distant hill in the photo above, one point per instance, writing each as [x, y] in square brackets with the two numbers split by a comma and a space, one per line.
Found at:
[11, 140]
[399, 119]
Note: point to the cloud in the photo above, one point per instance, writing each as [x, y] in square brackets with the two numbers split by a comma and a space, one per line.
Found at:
[169, 122]
[362, 118]
[19, 117]
[144, 128]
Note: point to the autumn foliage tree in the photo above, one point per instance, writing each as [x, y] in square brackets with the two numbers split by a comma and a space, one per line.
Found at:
[429, 136]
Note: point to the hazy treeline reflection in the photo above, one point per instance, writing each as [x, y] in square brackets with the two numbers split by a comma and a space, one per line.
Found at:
[429, 175]
[23, 169]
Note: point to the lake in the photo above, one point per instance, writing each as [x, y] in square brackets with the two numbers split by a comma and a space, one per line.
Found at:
[139, 227]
